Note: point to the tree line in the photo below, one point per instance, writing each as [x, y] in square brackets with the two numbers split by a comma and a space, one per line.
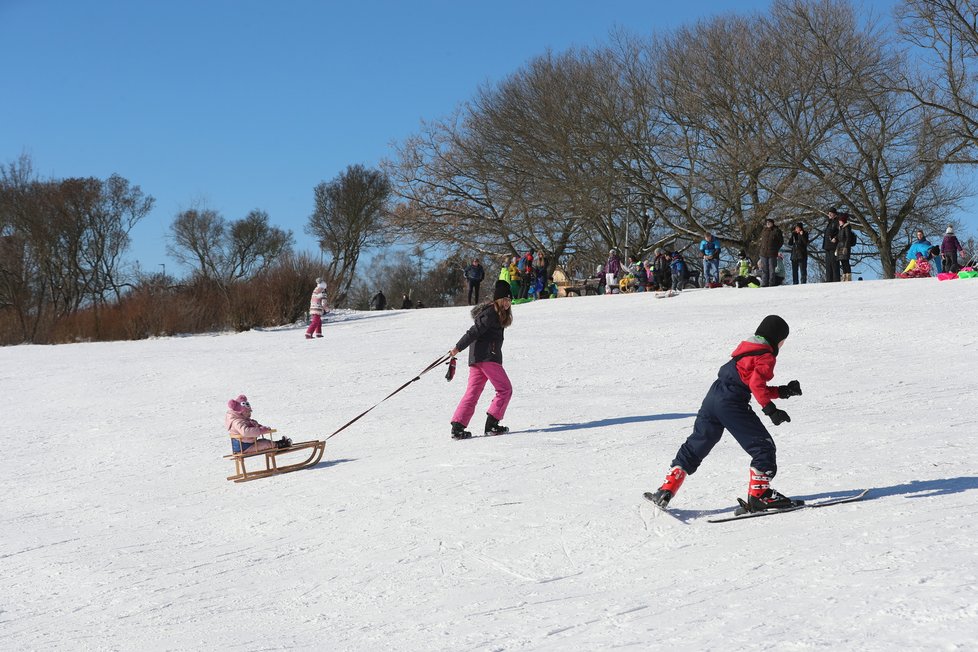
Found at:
[645, 141]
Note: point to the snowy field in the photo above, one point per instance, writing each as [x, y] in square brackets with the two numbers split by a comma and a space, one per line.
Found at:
[118, 530]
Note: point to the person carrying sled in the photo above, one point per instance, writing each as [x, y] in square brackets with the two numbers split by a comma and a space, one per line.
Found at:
[727, 406]
[485, 342]
[246, 433]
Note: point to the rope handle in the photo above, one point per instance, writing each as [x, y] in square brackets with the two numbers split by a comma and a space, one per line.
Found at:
[442, 360]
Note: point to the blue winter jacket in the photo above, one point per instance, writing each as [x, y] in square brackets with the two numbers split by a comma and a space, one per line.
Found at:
[710, 248]
[920, 247]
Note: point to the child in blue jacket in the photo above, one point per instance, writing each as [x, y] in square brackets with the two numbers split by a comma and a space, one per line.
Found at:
[678, 268]
[727, 406]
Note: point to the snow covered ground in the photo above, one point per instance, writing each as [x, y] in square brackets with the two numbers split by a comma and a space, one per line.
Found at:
[119, 531]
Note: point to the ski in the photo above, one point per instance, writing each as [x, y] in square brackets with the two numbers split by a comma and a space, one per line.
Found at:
[772, 512]
[665, 510]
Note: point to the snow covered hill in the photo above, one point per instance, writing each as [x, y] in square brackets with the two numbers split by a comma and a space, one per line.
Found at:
[119, 530]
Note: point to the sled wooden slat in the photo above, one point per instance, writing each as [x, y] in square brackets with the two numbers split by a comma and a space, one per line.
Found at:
[242, 474]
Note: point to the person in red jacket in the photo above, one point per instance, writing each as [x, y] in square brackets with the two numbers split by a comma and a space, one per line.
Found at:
[727, 406]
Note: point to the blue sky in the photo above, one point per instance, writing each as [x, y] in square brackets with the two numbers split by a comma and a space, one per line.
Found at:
[244, 105]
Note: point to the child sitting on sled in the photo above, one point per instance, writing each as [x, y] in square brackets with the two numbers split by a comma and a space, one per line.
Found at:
[727, 406]
[246, 433]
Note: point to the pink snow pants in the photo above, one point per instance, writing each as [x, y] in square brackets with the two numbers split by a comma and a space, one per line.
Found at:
[315, 325]
[479, 373]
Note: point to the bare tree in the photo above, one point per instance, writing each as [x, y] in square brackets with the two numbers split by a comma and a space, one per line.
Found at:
[521, 166]
[227, 252]
[879, 152]
[350, 215]
[63, 242]
[946, 35]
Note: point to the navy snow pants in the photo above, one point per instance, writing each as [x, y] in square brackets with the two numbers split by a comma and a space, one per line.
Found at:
[727, 406]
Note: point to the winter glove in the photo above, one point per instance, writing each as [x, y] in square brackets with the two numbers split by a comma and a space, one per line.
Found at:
[791, 389]
[777, 416]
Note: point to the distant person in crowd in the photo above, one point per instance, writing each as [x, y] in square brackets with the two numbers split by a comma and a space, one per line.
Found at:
[710, 249]
[317, 306]
[926, 250]
[247, 435]
[641, 275]
[843, 248]
[678, 269]
[474, 274]
[526, 274]
[504, 271]
[744, 264]
[662, 272]
[612, 270]
[649, 268]
[798, 242]
[950, 248]
[769, 246]
[485, 343]
[406, 303]
[830, 240]
[418, 304]
[378, 301]
[540, 269]
[514, 276]
[779, 273]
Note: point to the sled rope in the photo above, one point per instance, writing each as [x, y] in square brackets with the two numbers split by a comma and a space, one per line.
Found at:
[439, 361]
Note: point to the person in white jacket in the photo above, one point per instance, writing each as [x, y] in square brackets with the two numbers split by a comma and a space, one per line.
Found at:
[317, 306]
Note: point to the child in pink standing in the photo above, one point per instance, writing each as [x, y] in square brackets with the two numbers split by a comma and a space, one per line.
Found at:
[238, 422]
[317, 306]
[485, 342]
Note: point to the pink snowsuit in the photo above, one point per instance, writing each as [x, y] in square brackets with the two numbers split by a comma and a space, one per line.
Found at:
[317, 305]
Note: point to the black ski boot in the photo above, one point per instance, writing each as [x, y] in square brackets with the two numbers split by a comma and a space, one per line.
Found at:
[459, 431]
[770, 499]
[493, 427]
[284, 442]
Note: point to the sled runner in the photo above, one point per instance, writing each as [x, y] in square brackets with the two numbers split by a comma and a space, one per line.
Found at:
[241, 474]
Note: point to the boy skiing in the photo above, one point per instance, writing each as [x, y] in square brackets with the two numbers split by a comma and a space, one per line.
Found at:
[727, 406]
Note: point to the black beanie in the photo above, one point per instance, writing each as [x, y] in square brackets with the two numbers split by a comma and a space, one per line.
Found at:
[502, 290]
[773, 329]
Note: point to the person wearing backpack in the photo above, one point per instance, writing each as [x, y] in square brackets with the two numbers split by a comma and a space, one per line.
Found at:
[830, 241]
[843, 249]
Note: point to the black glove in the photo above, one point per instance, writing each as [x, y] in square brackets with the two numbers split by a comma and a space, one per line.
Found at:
[777, 416]
[791, 389]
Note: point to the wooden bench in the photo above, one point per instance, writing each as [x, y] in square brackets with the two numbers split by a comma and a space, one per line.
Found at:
[314, 450]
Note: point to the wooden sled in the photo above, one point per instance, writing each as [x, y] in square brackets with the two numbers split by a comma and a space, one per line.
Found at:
[241, 474]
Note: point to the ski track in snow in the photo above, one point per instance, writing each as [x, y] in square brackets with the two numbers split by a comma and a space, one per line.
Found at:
[121, 532]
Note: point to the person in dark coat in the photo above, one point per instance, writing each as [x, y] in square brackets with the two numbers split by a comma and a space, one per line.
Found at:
[727, 406]
[771, 242]
[379, 301]
[843, 249]
[798, 241]
[474, 274]
[485, 343]
[830, 240]
[406, 303]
